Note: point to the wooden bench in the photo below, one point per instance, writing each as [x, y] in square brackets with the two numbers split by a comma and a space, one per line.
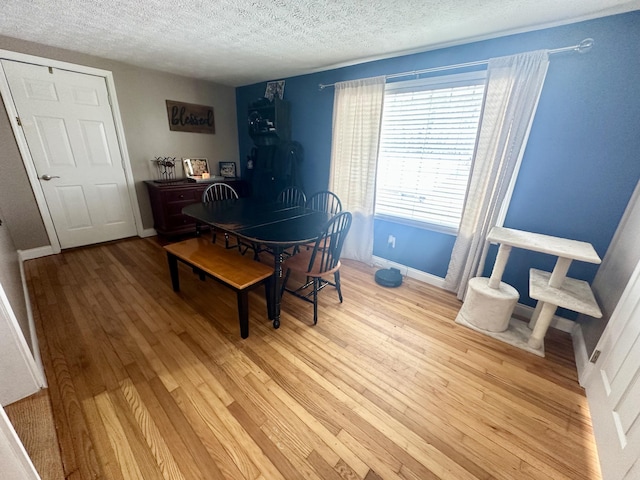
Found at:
[226, 266]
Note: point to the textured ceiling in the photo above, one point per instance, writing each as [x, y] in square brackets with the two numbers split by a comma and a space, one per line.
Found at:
[238, 42]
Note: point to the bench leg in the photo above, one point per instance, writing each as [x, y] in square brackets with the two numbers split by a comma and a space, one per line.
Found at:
[243, 312]
[173, 271]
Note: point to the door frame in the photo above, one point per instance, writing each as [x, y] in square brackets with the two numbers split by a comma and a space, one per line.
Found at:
[604, 431]
[613, 329]
[585, 367]
[24, 149]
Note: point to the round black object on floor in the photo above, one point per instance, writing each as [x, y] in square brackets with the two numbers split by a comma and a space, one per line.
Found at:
[389, 277]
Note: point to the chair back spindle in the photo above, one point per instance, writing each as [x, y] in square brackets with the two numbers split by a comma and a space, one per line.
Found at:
[328, 247]
[214, 193]
[292, 196]
[325, 201]
[323, 260]
[218, 191]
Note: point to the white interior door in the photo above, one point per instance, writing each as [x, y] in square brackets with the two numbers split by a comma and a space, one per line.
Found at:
[613, 388]
[68, 124]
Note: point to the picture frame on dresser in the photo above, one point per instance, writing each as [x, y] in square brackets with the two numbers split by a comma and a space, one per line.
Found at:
[227, 169]
[196, 167]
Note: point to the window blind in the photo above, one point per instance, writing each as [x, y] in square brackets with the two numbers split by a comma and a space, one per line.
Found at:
[428, 136]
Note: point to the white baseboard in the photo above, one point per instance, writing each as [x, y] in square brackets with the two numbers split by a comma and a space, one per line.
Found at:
[410, 272]
[583, 365]
[47, 250]
[148, 232]
[37, 252]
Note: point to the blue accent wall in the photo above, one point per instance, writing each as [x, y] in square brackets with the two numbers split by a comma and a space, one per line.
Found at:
[581, 163]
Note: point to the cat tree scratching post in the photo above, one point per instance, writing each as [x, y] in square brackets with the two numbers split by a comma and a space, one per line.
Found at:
[552, 290]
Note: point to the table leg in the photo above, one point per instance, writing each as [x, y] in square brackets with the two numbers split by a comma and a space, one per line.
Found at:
[276, 286]
[268, 295]
[173, 271]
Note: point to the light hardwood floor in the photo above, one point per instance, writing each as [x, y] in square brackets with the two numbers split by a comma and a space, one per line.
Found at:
[147, 384]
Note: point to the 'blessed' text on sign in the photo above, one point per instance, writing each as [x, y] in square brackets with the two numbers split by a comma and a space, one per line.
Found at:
[187, 117]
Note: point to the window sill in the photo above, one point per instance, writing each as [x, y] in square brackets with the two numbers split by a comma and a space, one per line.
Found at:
[422, 225]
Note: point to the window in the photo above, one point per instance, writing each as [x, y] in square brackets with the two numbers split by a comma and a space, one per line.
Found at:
[427, 139]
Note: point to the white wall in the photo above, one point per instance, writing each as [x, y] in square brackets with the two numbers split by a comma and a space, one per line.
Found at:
[19, 374]
[14, 461]
[10, 277]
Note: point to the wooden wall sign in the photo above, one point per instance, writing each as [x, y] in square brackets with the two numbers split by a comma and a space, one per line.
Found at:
[187, 117]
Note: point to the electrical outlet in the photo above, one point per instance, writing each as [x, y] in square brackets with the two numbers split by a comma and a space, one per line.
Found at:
[391, 241]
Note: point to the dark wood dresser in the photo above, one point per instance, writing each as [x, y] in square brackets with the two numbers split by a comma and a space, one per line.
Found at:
[168, 199]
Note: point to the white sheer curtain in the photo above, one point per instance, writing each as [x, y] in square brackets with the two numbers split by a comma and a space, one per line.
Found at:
[357, 113]
[514, 84]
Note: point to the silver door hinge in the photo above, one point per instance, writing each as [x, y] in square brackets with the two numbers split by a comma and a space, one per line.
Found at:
[595, 356]
[19, 122]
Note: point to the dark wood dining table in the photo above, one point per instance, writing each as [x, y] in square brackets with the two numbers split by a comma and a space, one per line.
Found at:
[270, 224]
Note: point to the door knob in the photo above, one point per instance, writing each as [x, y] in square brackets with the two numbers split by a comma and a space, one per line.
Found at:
[48, 177]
